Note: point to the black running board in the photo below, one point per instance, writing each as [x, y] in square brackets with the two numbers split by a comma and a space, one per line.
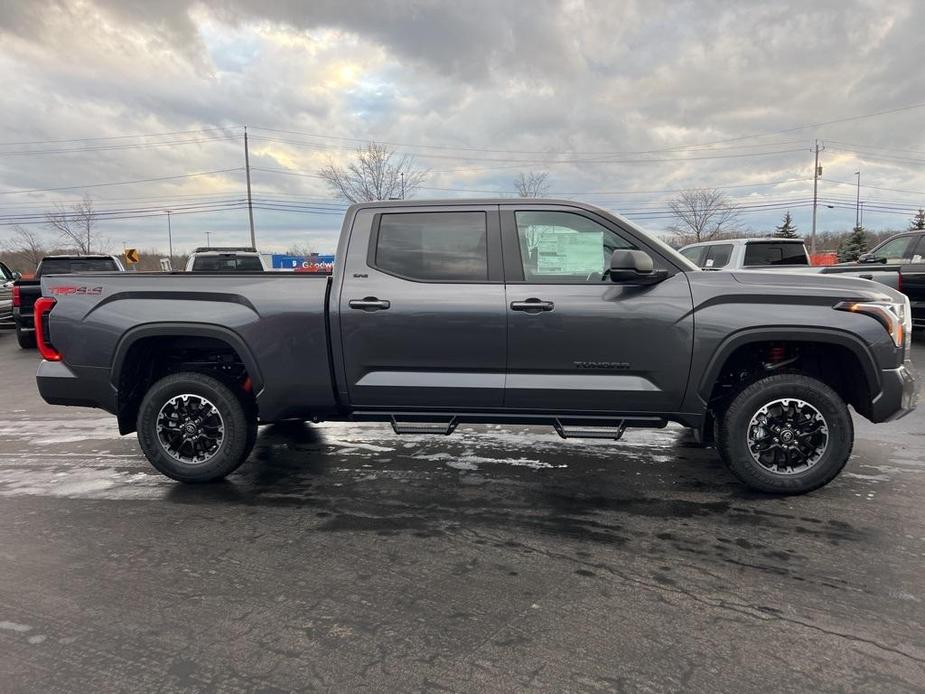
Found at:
[614, 432]
[566, 426]
[437, 427]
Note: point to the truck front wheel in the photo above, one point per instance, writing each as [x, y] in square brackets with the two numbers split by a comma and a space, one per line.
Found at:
[786, 434]
[193, 428]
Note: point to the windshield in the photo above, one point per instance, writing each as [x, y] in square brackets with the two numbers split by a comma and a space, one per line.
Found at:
[227, 263]
[66, 266]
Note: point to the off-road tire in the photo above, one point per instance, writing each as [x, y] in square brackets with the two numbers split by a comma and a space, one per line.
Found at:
[238, 435]
[733, 431]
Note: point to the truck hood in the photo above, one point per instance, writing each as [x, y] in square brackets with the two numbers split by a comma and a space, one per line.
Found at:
[835, 286]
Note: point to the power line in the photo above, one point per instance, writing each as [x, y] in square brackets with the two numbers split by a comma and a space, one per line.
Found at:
[122, 137]
[114, 147]
[122, 183]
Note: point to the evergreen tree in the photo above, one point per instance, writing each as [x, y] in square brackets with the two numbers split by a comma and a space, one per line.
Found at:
[917, 223]
[786, 230]
[853, 246]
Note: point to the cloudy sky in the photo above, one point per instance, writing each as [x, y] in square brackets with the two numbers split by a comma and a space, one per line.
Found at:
[623, 102]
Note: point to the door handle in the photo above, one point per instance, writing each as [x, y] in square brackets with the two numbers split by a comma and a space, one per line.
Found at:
[532, 306]
[369, 303]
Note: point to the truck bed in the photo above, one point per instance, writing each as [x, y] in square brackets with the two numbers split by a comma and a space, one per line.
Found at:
[276, 321]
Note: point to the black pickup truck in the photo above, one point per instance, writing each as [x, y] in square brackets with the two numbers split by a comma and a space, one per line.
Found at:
[25, 292]
[515, 311]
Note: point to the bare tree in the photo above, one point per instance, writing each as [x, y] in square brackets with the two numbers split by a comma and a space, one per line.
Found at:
[27, 246]
[532, 185]
[704, 214]
[76, 225]
[298, 249]
[377, 172]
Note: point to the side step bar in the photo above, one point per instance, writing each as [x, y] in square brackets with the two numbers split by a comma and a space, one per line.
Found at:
[566, 426]
[614, 432]
[439, 428]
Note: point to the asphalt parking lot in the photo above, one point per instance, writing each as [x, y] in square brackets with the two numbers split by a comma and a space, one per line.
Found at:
[343, 558]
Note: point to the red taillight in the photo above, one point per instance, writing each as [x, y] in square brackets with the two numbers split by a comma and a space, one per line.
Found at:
[42, 308]
[17, 297]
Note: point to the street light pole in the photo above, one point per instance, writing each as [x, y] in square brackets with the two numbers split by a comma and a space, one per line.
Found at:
[208, 239]
[817, 171]
[250, 203]
[169, 236]
[857, 207]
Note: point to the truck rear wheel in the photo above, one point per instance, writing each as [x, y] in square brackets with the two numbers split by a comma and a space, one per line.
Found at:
[193, 428]
[786, 434]
[26, 339]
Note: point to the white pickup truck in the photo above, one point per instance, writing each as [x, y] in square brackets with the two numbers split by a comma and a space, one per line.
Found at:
[746, 254]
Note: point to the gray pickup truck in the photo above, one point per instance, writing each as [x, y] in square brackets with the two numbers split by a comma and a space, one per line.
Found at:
[484, 311]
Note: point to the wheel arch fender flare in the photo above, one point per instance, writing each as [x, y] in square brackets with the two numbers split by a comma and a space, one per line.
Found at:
[170, 329]
[748, 336]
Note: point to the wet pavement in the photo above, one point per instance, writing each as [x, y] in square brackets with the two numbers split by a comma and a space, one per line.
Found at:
[344, 558]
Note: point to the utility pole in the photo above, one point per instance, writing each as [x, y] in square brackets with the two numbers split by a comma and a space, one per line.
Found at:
[402, 185]
[169, 235]
[817, 172]
[861, 222]
[250, 203]
[857, 208]
[208, 239]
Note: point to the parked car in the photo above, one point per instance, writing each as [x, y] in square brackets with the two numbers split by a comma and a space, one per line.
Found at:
[234, 259]
[7, 277]
[25, 292]
[740, 254]
[516, 311]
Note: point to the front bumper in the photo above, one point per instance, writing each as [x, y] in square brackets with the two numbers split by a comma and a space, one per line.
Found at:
[898, 396]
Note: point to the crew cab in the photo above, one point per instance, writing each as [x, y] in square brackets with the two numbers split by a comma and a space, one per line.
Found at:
[25, 292]
[440, 313]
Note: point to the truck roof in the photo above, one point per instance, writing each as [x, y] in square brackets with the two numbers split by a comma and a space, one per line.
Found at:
[77, 257]
[743, 242]
[225, 249]
[448, 202]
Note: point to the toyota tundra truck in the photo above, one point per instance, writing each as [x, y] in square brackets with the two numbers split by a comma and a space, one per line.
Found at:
[522, 312]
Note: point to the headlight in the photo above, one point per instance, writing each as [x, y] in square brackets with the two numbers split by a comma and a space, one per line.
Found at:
[896, 316]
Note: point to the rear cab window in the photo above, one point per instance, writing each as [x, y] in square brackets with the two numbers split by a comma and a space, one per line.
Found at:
[67, 266]
[771, 253]
[227, 263]
[432, 246]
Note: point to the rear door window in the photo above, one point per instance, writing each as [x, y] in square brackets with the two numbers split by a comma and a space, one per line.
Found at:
[718, 256]
[918, 254]
[775, 254]
[433, 246]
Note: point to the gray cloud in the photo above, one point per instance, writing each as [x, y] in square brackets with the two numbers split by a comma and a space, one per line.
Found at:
[586, 77]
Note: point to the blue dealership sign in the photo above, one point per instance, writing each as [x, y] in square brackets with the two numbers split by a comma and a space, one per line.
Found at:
[303, 263]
